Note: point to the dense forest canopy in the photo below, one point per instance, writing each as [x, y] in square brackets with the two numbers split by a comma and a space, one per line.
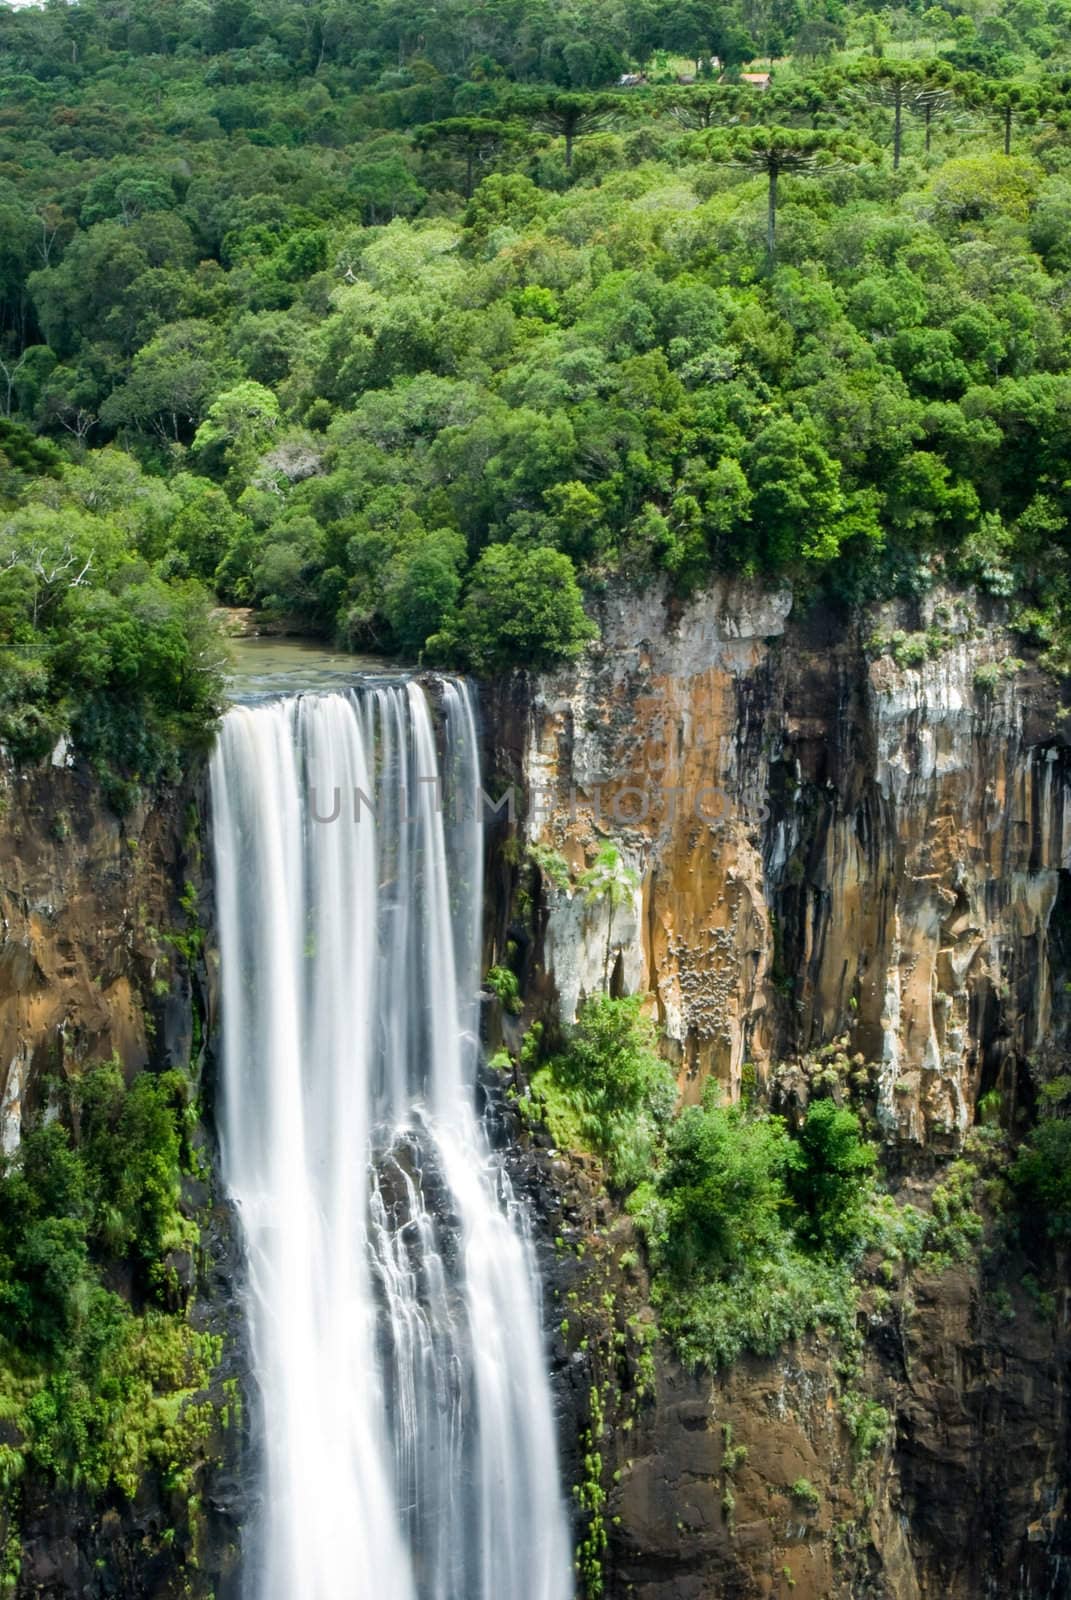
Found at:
[414, 325]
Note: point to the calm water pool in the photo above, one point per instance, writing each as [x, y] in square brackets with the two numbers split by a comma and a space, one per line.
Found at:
[265, 667]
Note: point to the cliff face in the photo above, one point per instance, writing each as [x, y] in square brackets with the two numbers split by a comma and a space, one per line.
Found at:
[86, 903]
[825, 843]
[827, 831]
[965, 1496]
[96, 960]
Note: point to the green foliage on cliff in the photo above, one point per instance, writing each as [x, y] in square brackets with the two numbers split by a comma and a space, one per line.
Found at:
[608, 1090]
[754, 1233]
[831, 1178]
[504, 986]
[98, 1387]
[418, 328]
[722, 1190]
[1041, 1173]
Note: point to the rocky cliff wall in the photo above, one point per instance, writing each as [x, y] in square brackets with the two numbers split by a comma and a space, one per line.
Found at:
[87, 902]
[965, 1497]
[827, 841]
[829, 829]
[100, 956]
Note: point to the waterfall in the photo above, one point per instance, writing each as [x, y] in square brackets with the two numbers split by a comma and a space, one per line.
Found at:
[408, 1440]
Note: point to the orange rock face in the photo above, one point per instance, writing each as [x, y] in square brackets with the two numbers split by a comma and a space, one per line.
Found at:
[827, 838]
[87, 905]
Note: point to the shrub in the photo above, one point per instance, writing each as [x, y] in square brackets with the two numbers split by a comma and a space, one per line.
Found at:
[504, 986]
[1041, 1177]
[753, 1233]
[737, 1264]
[867, 1421]
[552, 864]
[723, 1187]
[96, 1392]
[610, 1087]
[711, 1320]
[132, 1141]
[832, 1177]
[805, 1494]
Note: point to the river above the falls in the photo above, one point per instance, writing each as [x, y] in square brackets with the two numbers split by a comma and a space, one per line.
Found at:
[264, 666]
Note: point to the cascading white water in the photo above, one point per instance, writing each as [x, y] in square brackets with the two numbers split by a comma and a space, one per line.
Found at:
[409, 1448]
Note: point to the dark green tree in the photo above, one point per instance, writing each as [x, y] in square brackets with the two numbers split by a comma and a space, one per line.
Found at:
[831, 1176]
[925, 105]
[568, 116]
[724, 1186]
[778, 151]
[703, 105]
[622, 1091]
[521, 608]
[817, 39]
[1010, 103]
[1041, 1175]
[423, 588]
[902, 86]
[472, 139]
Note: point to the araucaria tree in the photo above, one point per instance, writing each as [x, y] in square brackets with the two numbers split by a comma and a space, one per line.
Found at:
[567, 116]
[704, 105]
[925, 105]
[904, 86]
[473, 139]
[776, 151]
[1010, 102]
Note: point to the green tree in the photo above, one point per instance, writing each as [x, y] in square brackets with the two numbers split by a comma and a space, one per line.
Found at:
[19, 236]
[925, 105]
[1009, 102]
[504, 198]
[567, 116]
[611, 883]
[98, 290]
[969, 188]
[912, 86]
[614, 1080]
[126, 190]
[385, 189]
[776, 152]
[237, 425]
[1041, 1177]
[422, 590]
[472, 139]
[831, 1177]
[171, 382]
[204, 530]
[724, 1188]
[703, 105]
[874, 32]
[22, 454]
[521, 608]
[817, 39]
[798, 505]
